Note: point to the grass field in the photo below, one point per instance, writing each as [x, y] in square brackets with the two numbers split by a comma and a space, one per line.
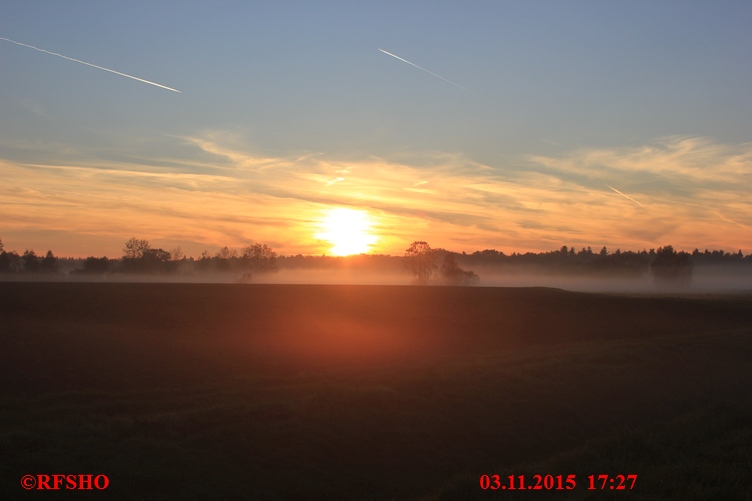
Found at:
[199, 391]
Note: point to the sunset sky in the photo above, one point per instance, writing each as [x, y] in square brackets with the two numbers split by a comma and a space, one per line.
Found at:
[538, 124]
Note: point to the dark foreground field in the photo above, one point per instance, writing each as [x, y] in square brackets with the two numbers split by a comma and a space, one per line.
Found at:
[187, 391]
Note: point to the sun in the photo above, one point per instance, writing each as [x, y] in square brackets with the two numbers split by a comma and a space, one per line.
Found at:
[348, 231]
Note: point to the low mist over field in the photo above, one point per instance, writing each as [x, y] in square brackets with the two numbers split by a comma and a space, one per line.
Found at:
[662, 270]
[703, 282]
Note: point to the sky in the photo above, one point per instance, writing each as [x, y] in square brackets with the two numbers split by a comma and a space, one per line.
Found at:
[531, 125]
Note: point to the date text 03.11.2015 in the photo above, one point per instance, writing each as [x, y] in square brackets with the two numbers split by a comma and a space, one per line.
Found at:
[556, 482]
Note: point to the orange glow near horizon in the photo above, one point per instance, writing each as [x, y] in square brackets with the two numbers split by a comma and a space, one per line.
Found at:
[312, 205]
[348, 231]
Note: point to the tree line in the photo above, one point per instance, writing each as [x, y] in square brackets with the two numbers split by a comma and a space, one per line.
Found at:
[425, 264]
[665, 264]
[139, 257]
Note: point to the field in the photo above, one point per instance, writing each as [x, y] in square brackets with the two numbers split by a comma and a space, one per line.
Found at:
[200, 391]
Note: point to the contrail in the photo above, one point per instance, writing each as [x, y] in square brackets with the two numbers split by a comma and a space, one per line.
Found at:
[628, 197]
[89, 64]
[729, 221]
[429, 72]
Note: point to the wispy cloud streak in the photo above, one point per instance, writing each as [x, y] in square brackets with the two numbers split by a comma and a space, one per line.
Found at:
[228, 195]
[427, 71]
[90, 64]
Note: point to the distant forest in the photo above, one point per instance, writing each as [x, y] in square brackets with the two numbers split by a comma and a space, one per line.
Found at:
[425, 264]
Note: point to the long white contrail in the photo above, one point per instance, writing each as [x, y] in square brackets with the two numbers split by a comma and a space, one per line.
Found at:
[628, 197]
[89, 64]
[429, 72]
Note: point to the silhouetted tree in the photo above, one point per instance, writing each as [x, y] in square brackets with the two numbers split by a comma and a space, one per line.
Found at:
[94, 265]
[30, 261]
[227, 253]
[177, 254]
[671, 266]
[156, 261]
[133, 252]
[4, 259]
[135, 249]
[160, 255]
[204, 262]
[49, 263]
[139, 257]
[225, 258]
[257, 258]
[10, 262]
[419, 261]
[452, 274]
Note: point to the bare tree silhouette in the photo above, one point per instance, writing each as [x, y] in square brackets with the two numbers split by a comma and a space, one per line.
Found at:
[419, 261]
[139, 257]
[135, 249]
